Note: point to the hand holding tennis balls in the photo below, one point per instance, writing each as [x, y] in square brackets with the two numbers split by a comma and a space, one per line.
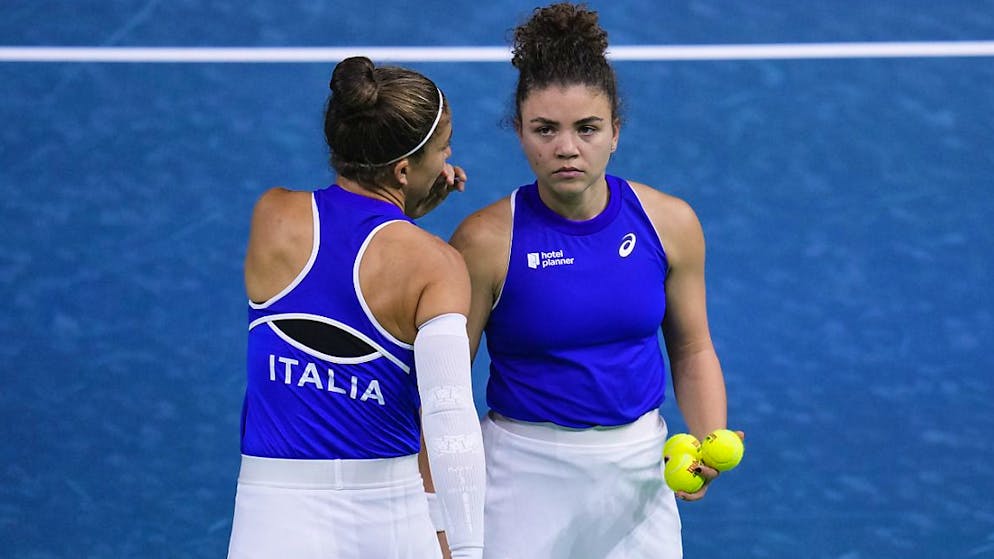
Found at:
[691, 464]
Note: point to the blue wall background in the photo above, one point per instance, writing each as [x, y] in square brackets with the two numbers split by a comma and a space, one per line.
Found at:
[846, 205]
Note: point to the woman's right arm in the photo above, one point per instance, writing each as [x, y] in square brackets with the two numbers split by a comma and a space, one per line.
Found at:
[484, 240]
[449, 419]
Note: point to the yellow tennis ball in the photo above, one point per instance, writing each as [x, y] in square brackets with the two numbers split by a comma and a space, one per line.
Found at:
[681, 473]
[682, 443]
[722, 449]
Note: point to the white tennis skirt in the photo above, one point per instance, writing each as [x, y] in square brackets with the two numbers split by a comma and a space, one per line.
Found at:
[556, 493]
[341, 509]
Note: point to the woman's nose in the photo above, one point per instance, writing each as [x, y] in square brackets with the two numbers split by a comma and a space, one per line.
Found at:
[566, 146]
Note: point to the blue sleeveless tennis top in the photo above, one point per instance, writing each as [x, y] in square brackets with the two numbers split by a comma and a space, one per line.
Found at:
[574, 336]
[325, 380]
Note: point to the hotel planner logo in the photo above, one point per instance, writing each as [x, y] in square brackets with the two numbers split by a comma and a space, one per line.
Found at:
[548, 259]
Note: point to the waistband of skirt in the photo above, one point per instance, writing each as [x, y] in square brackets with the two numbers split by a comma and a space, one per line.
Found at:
[645, 427]
[329, 474]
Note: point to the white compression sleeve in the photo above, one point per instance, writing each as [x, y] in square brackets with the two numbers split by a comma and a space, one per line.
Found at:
[452, 430]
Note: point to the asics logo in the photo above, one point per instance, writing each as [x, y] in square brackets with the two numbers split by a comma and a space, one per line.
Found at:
[627, 245]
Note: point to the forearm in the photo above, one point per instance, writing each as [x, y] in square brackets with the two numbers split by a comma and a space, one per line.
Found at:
[460, 481]
[700, 392]
[452, 431]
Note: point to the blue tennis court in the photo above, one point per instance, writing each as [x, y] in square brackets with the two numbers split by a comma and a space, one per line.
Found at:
[846, 202]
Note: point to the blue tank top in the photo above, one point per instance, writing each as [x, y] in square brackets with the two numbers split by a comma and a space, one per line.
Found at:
[325, 380]
[574, 336]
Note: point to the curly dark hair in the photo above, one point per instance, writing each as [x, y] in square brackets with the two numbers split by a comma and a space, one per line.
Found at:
[562, 44]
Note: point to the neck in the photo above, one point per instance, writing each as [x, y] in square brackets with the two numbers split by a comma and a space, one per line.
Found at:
[393, 196]
[576, 204]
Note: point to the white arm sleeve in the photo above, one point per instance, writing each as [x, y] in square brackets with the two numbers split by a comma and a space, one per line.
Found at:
[452, 430]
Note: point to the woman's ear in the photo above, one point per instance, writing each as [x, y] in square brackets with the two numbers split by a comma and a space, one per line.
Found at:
[400, 170]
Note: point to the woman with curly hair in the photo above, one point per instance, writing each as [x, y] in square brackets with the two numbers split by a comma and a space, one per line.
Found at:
[572, 278]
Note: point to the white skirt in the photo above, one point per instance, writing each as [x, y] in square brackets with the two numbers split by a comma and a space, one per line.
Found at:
[341, 509]
[557, 493]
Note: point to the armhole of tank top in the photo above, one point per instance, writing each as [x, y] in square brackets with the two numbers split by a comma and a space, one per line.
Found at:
[315, 245]
[510, 247]
[358, 290]
[647, 218]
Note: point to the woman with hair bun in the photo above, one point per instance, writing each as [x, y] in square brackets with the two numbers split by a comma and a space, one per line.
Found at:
[356, 340]
[572, 278]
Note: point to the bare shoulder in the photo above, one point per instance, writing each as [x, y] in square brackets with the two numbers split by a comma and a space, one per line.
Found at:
[434, 278]
[280, 212]
[665, 206]
[280, 241]
[414, 250]
[486, 229]
[408, 275]
[278, 198]
[674, 219]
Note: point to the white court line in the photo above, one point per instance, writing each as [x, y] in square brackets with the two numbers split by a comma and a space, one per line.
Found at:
[495, 54]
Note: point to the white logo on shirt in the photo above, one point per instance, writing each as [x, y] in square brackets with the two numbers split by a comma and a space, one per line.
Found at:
[310, 376]
[627, 245]
[547, 259]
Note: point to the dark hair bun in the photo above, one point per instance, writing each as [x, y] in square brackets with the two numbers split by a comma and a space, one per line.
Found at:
[353, 85]
[559, 32]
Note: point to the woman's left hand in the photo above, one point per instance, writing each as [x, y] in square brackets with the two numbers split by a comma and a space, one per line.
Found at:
[451, 178]
[709, 474]
[706, 472]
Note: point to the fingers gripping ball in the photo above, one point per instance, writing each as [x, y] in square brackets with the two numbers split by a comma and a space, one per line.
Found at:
[722, 450]
[681, 443]
[681, 473]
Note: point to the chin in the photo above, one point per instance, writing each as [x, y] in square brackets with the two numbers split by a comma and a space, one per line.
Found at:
[569, 184]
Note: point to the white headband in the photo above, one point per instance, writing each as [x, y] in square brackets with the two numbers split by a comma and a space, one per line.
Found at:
[427, 137]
